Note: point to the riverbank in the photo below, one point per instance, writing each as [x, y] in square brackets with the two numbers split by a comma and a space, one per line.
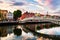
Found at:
[19, 23]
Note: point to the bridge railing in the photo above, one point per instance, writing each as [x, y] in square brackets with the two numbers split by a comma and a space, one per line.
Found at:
[53, 20]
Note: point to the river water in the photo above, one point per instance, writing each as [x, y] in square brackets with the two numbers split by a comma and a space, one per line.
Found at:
[7, 33]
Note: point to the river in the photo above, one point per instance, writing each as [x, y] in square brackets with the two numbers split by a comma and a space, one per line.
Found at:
[7, 33]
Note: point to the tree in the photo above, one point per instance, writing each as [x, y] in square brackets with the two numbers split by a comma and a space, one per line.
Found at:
[17, 14]
[17, 31]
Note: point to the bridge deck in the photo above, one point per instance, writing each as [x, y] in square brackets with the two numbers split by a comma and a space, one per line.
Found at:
[53, 20]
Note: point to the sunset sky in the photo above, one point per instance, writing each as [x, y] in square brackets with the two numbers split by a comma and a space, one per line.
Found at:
[31, 5]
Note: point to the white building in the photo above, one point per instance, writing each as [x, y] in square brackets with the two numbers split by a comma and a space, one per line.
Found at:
[9, 16]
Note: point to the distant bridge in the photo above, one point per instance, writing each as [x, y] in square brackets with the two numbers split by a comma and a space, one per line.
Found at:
[40, 19]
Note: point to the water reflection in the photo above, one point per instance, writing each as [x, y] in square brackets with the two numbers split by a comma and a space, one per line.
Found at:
[6, 33]
[4, 30]
[50, 31]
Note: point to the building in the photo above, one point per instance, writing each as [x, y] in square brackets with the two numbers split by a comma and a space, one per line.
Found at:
[9, 16]
[26, 15]
[3, 14]
[42, 16]
[48, 16]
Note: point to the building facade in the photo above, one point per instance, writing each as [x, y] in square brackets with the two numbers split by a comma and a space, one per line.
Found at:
[3, 14]
[9, 16]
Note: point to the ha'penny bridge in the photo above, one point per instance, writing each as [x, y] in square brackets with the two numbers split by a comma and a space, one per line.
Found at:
[33, 20]
[41, 22]
[39, 19]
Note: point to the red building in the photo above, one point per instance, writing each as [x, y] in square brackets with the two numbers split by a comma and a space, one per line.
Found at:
[26, 15]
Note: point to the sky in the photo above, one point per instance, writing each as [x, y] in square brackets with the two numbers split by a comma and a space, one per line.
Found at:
[39, 6]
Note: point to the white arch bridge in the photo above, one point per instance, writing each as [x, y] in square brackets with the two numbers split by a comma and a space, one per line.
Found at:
[39, 19]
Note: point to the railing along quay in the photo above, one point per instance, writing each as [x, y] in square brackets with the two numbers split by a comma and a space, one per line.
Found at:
[20, 23]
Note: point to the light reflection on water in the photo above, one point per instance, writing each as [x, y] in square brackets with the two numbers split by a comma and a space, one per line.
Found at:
[50, 31]
[7, 32]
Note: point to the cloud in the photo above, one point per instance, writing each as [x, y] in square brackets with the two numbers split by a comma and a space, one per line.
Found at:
[18, 4]
[31, 5]
[50, 4]
[31, 2]
[44, 2]
[47, 2]
[1, 2]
